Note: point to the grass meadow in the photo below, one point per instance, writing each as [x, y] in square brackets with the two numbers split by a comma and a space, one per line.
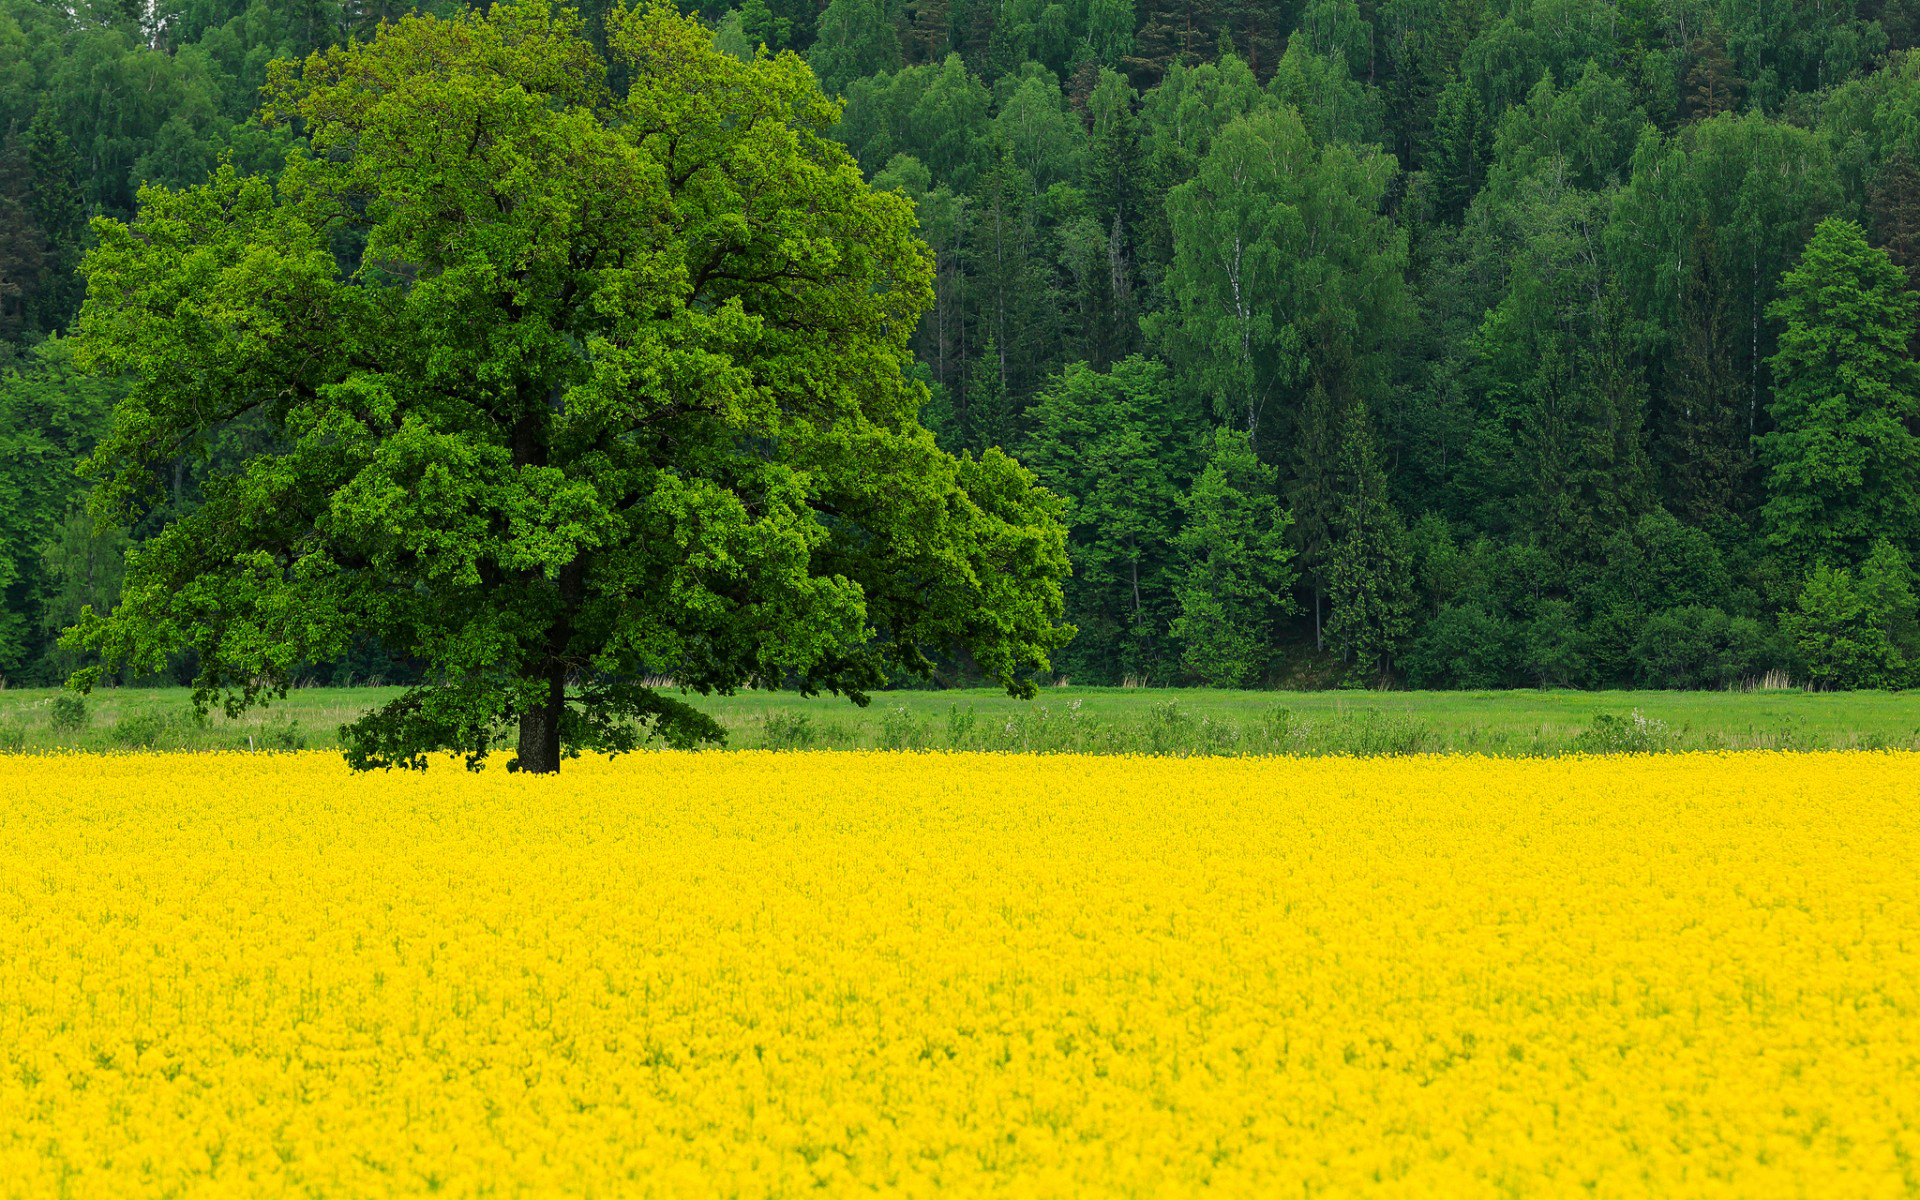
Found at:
[1076, 720]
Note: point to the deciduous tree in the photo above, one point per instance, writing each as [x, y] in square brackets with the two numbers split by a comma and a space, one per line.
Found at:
[1842, 461]
[1237, 567]
[615, 391]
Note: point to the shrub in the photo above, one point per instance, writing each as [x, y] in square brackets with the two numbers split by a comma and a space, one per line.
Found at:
[69, 713]
[960, 726]
[1169, 730]
[898, 729]
[1465, 646]
[1841, 634]
[1634, 733]
[281, 733]
[1554, 647]
[1275, 731]
[1699, 647]
[788, 730]
[1382, 734]
[143, 731]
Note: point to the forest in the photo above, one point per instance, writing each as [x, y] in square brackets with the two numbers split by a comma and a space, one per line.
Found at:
[1429, 343]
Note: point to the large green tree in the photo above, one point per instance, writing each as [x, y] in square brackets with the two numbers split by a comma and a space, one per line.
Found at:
[573, 386]
[1842, 461]
[1285, 270]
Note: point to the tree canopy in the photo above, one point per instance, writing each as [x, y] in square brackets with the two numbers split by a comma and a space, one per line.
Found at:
[1556, 255]
[568, 380]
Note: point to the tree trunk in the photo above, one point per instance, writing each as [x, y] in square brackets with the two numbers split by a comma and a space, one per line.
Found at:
[540, 728]
[540, 725]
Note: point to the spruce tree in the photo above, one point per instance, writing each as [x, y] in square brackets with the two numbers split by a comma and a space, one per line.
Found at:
[1703, 451]
[1313, 493]
[1712, 86]
[1010, 281]
[24, 253]
[1893, 207]
[986, 415]
[1607, 479]
[55, 204]
[1369, 565]
[1462, 143]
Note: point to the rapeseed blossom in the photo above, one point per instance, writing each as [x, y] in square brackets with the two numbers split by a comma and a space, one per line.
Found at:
[781, 975]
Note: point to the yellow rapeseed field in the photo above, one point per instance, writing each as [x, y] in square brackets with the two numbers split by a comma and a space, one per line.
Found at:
[782, 975]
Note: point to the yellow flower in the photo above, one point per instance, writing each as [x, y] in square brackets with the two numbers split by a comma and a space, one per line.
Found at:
[767, 975]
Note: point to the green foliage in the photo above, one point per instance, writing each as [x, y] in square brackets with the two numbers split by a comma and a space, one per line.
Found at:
[1843, 463]
[1695, 646]
[1465, 644]
[1858, 630]
[1120, 720]
[960, 726]
[50, 416]
[856, 41]
[788, 731]
[147, 731]
[1633, 733]
[1537, 242]
[1100, 440]
[281, 733]
[616, 387]
[68, 713]
[1283, 267]
[1370, 560]
[899, 730]
[1235, 566]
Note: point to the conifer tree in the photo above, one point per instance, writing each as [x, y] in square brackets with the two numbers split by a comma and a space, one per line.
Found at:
[24, 254]
[928, 22]
[1712, 86]
[54, 203]
[1013, 307]
[1312, 491]
[1704, 454]
[1894, 209]
[1603, 480]
[1113, 185]
[987, 416]
[1462, 142]
[1369, 562]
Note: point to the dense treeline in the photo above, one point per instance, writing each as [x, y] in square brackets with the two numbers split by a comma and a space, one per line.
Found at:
[1453, 342]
